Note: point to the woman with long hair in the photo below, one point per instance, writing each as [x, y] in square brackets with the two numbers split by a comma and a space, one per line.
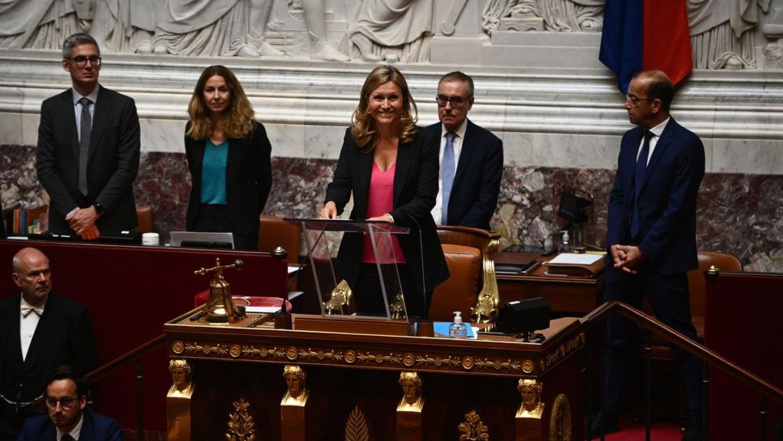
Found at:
[390, 166]
[229, 157]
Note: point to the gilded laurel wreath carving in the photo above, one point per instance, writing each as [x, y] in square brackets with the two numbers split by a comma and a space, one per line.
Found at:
[473, 429]
[241, 426]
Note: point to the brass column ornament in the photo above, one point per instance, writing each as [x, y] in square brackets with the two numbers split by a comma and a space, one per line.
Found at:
[220, 308]
[293, 404]
[409, 411]
[529, 424]
[178, 401]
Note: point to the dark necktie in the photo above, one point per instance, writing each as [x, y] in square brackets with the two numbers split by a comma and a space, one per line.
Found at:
[448, 176]
[641, 173]
[84, 143]
[67, 437]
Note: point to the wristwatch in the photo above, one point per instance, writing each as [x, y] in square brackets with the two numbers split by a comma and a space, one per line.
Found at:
[100, 209]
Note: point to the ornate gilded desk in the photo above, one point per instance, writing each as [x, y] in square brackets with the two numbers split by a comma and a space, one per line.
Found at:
[351, 386]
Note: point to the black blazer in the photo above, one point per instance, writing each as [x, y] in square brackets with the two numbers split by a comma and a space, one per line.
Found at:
[415, 189]
[474, 194]
[667, 202]
[112, 166]
[248, 178]
[64, 335]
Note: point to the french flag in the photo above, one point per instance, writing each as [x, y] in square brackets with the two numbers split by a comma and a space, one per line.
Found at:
[646, 34]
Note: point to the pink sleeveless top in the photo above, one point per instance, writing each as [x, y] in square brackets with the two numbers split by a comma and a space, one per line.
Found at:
[380, 201]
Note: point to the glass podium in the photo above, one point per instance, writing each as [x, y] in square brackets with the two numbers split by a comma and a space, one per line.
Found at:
[323, 238]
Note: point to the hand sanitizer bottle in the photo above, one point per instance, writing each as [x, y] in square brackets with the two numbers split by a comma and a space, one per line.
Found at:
[565, 246]
[458, 329]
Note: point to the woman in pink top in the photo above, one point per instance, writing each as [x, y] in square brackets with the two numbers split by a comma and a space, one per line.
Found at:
[391, 168]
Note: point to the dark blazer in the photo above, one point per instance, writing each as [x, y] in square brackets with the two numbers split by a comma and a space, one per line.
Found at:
[112, 166]
[248, 178]
[95, 427]
[415, 189]
[667, 202]
[477, 179]
[64, 335]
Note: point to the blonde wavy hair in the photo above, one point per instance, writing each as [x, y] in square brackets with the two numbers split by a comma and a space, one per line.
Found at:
[363, 125]
[236, 122]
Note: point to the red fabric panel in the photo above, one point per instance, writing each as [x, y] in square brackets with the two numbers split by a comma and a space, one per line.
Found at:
[667, 44]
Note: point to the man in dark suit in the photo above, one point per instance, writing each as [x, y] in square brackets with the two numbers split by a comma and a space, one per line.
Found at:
[651, 237]
[38, 331]
[88, 149]
[69, 417]
[471, 158]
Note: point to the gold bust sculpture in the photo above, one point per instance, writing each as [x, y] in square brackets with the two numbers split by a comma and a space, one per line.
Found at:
[295, 381]
[411, 401]
[181, 374]
[530, 390]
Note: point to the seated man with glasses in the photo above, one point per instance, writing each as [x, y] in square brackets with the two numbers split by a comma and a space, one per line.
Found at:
[471, 158]
[69, 417]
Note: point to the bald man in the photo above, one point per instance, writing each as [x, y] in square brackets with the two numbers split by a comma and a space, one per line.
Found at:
[38, 331]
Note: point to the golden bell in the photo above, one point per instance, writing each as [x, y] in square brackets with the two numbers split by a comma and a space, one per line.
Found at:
[220, 307]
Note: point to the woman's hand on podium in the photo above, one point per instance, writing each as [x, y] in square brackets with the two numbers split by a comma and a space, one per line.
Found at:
[329, 211]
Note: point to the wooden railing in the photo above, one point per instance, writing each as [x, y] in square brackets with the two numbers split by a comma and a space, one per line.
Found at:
[767, 391]
[134, 355]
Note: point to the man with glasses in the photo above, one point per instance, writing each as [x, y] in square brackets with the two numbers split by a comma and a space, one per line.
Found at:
[69, 417]
[38, 331]
[471, 158]
[88, 149]
[651, 238]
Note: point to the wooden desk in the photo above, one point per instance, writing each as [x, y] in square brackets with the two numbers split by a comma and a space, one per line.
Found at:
[353, 380]
[571, 296]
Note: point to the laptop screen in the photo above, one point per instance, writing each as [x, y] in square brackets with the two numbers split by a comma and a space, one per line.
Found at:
[198, 239]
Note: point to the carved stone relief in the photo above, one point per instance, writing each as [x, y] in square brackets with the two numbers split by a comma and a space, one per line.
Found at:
[723, 32]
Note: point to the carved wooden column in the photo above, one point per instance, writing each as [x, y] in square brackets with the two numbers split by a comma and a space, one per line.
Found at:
[178, 401]
[409, 411]
[528, 423]
[293, 405]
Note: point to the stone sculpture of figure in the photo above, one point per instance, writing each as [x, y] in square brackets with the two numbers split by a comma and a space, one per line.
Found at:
[392, 30]
[556, 15]
[181, 374]
[530, 390]
[126, 25]
[723, 32]
[219, 28]
[314, 12]
[411, 401]
[41, 24]
[295, 381]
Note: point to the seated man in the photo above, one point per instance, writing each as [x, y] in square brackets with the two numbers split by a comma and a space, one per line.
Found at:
[69, 417]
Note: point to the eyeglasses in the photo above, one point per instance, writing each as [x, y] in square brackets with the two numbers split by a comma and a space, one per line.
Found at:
[635, 99]
[81, 60]
[456, 101]
[65, 402]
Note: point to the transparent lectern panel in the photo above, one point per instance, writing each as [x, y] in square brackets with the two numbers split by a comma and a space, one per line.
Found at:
[323, 238]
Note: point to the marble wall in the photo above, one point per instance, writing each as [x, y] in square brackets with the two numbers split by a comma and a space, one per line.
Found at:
[539, 86]
[739, 214]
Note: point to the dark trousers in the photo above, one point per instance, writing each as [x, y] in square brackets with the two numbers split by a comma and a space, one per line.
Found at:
[368, 296]
[214, 219]
[668, 296]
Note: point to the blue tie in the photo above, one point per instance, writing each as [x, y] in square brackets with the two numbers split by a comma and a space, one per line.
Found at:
[641, 172]
[448, 176]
